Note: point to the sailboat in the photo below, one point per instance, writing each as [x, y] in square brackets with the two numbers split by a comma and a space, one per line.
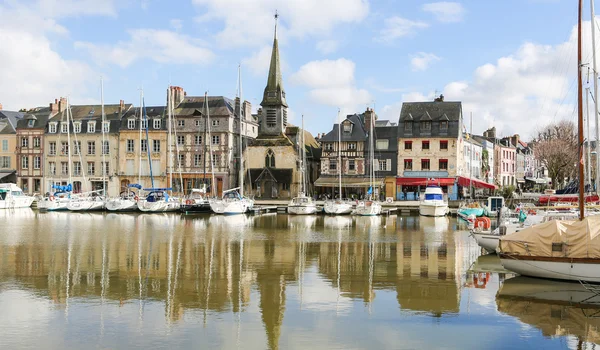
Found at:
[370, 206]
[157, 200]
[302, 204]
[93, 200]
[339, 206]
[62, 195]
[233, 200]
[559, 249]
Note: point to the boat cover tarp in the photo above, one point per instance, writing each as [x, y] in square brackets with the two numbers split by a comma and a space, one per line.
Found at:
[581, 239]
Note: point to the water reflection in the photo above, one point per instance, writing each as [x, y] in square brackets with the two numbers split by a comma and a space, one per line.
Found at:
[555, 308]
[194, 278]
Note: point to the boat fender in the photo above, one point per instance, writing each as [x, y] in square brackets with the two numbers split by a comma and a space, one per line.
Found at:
[188, 202]
[136, 198]
[51, 198]
[389, 200]
[531, 212]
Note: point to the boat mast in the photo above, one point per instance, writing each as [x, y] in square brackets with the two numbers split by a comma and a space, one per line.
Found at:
[212, 166]
[302, 158]
[103, 137]
[148, 144]
[372, 155]
[588, 160]
[595, 75]
[69, 166]
[580, 115]
[339, 152]
[240, 140]
[471, 159]
[169, 138]
[140, 151]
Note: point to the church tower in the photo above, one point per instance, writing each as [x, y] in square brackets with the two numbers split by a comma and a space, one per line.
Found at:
[274, 107]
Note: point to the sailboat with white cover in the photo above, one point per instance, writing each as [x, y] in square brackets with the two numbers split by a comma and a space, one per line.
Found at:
[339, 206]
[559, 249]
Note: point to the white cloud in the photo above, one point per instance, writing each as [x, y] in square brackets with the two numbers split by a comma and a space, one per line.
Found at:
[445, 11]
[75, 8]
[259, 61]
[327, 46]
[33, 72]
[332, 83]
[422, 60]
[162, 46]
[534, 84]
[398, 27]
[245, 26]
[176, 24]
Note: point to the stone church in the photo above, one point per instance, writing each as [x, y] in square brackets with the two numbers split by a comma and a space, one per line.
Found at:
[272, 159]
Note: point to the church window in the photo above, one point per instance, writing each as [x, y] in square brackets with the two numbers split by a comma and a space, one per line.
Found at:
[270, 159]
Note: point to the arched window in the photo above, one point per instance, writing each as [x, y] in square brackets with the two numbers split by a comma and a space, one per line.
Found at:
[270, 159]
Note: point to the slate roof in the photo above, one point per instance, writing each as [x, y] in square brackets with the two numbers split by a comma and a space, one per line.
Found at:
[218, 106]
[10, 118]
[152, 112]
[86, 114]
[41, 115]
[358, 134]
[433, 112]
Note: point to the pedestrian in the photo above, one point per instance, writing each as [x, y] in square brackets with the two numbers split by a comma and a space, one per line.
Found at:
[405, 191]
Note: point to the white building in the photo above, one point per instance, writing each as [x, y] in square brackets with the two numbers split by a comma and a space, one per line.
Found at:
[471, 158]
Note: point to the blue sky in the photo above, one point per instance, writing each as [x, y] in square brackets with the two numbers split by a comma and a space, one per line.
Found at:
[510, 62]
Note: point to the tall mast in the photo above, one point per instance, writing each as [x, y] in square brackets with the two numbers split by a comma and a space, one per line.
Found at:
[140, 143]
[471, 160]
[303, 160]
[580, 114]
[212, 166]
[169, 138]
[593, 22]
[588, 163]
[340, 152]
[68, 110]
[148, 144]
[372, 155]
[240, 140]
[103, 137]
[205, 137]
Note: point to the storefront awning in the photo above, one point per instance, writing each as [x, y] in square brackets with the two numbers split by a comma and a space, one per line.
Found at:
[465, 182]
[4, 174]
[347, 182]
[536, 180]
[423, 181]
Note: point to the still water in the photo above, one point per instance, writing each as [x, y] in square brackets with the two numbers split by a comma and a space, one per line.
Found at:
[80, 281]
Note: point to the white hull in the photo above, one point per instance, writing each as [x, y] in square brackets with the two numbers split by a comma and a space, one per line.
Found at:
[121, 204]
[567, 270]
[302, 209]
[433, 209]
[335, 208]
[368, 209]
[16, 202]
[487, 241]
[158, 207]
[85, 204]
[229, 207]
[53, 205]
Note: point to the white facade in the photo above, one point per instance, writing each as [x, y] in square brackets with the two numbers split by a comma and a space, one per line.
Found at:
[472, 151]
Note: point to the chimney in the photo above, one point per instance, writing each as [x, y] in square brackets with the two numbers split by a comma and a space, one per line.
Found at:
[247, 110]
[370, 117]
[54, 106]
[178, 95]
[121, 106]
[62, 104]
[515, 139]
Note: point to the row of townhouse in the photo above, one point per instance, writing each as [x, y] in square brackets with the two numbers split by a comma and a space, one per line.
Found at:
[429, 144]
[46, 146]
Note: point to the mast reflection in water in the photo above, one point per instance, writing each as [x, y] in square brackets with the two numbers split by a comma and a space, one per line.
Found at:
[81, 280]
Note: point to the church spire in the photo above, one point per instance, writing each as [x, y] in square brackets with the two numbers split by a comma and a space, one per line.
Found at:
[274, 94]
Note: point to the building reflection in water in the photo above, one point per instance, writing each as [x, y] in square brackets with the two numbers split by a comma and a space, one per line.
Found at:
[212, 264]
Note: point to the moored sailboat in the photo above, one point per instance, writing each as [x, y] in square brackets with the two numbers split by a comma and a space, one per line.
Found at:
[338, 206]
[370, 206]
[302, 204]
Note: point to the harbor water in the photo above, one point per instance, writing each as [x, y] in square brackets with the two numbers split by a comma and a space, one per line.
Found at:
[120, 281]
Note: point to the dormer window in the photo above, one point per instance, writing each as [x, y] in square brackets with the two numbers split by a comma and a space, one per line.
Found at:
[106, 126]
[64, 127]
[426, 126]
[52, 128]
[156, 124]
[131, 124]
[91, 127]
[347, 128]
[444, 125]
[77, 127]
[31, 123]
[408, 127]
[144, 124]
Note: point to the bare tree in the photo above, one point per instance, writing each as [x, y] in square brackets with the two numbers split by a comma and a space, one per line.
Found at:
[557, 148]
